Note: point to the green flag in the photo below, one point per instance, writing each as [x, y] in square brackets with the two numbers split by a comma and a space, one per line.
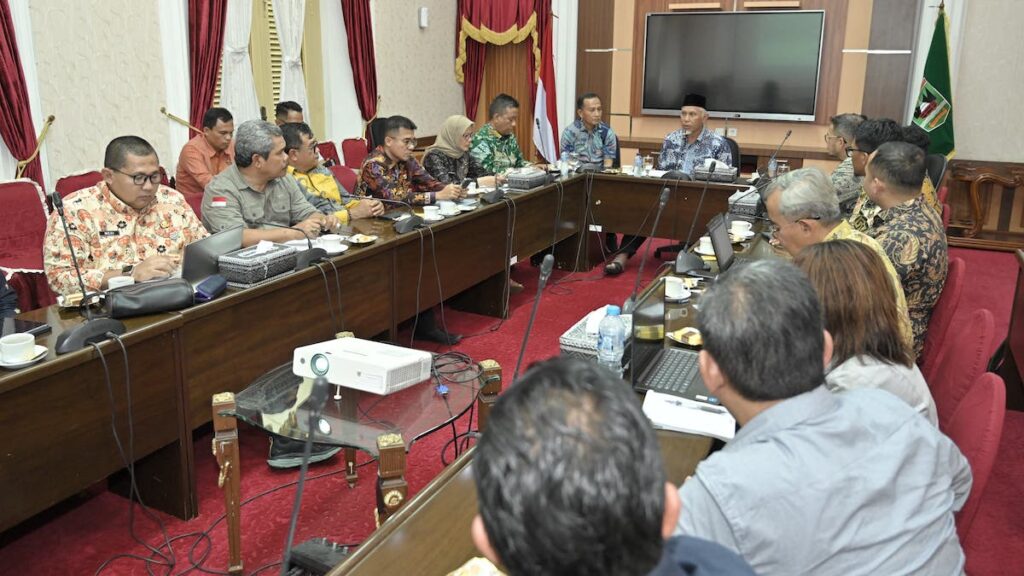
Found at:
[934, 110]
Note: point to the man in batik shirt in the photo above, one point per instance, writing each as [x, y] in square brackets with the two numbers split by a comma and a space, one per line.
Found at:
[838, 137]
[127, 225]
[868, 136]
[494, 146]
[391, 173]
[693, 143]
[909, 230]
[593, 141]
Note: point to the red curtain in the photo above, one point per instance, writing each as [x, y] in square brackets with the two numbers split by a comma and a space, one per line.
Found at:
[474, 73]
[206, 41]
[359, 29]
[16, 127]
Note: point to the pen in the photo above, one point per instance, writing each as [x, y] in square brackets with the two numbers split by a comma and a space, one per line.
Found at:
[692, 407]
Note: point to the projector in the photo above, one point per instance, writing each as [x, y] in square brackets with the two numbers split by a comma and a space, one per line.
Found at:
[363, 364]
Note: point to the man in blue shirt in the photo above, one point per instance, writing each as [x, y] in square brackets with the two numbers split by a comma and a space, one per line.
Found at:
[814, 482]
[688, 147]
[570, 481]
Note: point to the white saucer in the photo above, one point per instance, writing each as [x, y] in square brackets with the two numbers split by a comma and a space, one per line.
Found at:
[434, 218]
[40, 353]
[467, 207]
[302, 245]
[455, 213]
[332, 251]
[704, 253]
[742, 235]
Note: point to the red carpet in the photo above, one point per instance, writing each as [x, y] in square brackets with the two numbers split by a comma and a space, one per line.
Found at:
[79, 540]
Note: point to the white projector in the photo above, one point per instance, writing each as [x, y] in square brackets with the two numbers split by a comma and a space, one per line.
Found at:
[363, 364]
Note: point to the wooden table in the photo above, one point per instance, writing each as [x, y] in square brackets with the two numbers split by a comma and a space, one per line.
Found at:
[61, 442]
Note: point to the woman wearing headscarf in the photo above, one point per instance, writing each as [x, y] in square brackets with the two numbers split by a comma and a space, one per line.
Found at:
[449, 161]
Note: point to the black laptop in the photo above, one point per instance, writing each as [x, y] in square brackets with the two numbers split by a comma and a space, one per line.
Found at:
[654, 367]
[721, 243]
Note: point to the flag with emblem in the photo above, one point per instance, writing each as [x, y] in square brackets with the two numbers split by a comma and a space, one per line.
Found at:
[934, 109]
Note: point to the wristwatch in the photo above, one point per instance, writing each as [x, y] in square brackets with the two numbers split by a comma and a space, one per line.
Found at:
[126, 270]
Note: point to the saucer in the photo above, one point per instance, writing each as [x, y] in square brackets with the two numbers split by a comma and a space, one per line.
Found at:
[452, 213]
[361, 239]
[331, 251]
[704, 252]
[468, 207]
[434, 218]
[741, 235]
[40, 353]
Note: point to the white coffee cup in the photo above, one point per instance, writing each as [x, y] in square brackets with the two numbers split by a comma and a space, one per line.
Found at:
[674, 289]
[119, 281]
[431, 211]
[705, 244]
[448, 207]
[740, 227]
[330, 241]
[17, 347]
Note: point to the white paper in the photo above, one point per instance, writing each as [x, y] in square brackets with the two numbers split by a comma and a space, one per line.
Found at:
[679, 414]
[658, 173]
[264, 246]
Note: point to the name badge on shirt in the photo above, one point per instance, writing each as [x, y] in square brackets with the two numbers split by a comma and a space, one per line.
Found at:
[219, 201]
[109, 233]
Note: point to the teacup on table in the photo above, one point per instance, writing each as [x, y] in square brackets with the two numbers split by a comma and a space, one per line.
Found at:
[17, 347]
[431, 212]
[740, 227]
[448, 208]
[704, 245]
[330, 241]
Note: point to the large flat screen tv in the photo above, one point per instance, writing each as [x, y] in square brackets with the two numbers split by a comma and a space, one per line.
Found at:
[758, 65]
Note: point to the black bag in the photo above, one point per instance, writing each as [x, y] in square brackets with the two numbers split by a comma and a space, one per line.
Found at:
[149, 298]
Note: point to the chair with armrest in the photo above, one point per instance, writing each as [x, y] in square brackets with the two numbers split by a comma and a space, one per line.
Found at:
[942, 318]
[345, 176]
[22, 229]
[354, 151]
[964, 358]
[328, 151]
[77, 181]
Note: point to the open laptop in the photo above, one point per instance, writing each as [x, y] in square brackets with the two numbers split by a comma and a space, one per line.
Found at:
[200, 260]
[654, 367]
[721, 243]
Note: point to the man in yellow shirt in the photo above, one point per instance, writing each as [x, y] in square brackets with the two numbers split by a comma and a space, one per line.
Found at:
[322, 190]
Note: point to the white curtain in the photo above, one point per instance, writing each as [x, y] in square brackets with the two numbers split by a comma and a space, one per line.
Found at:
[26, 49]
[342, 117]
[237, 87]
[290, 15]
[563, 43]
[174, 46]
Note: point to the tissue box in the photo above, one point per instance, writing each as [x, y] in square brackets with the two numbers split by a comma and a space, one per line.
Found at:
[245, 267]
[578, 344]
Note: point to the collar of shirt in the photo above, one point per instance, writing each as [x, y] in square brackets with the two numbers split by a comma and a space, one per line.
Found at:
[784, 415]
[235, 175]
[118, 205]
[842, 230]
[579, 125]
[492, 132]
[208, 150]
[380, 155]
[902, 208]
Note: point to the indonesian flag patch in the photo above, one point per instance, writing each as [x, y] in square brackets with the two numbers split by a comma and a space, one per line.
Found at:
[219, 201]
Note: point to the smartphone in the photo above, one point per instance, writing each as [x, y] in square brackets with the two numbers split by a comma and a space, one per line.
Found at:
[16, 326]
[466, 182]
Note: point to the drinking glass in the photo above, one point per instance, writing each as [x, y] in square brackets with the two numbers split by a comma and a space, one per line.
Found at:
[574, 161]
[648, 165]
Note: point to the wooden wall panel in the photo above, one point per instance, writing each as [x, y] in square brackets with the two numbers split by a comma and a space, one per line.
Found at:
[594, 69]
[507, 69]
[893, 27]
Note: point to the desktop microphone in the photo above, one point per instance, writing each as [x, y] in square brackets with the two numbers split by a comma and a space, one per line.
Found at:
[315, 404]
[687, 261]
[781, 144]
[627, 306]
[94, 329]
[545, 272]
[304, 259]
[407, 224]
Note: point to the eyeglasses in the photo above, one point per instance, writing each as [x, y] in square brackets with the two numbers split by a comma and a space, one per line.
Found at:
[851, 150]
[773, 228]
[140, 179]
[410, 143]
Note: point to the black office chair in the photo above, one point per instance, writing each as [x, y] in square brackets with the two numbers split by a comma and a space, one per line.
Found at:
[935, 165]
[734, 148]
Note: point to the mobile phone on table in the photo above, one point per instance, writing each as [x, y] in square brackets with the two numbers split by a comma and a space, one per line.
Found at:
[16, 326]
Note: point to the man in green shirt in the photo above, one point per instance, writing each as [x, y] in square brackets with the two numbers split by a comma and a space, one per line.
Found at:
[495, 145]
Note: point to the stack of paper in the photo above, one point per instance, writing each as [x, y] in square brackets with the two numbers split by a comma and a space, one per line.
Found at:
[679, 414]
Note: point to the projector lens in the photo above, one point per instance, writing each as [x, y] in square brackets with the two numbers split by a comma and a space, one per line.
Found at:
[319, 364]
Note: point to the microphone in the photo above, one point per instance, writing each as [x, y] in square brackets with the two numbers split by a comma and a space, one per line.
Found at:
[315, 404]
[687, 261]
[310, 256]
[94, 329]
[404, 225]
[627, 306]
[545, 272]
[776, 153]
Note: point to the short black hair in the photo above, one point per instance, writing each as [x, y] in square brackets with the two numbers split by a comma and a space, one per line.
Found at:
[914, 134]
[899, 164]
[396, 123]
[877, 131]
[213, 115]
[119, 149]
[283, 108]
[500, 104]
[293, 133]
[844, 125]
[762, 324]
[582, 99]
[569, 475]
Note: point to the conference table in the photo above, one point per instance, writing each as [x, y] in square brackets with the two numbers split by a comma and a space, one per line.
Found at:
[59, 440]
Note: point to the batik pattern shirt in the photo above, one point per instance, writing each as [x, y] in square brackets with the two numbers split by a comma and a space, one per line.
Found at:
[592, 147]
[846, 232]
[847, 185]
[496, 153]
[442, 166]
[107, 234]
[678, 154]
[911, 234]
[406, 181]
[865, 212]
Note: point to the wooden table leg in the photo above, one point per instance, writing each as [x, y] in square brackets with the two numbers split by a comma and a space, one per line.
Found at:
[391, 485]
[225, 450]
[490, 387]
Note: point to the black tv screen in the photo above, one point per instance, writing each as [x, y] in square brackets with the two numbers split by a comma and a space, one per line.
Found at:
[759, 65]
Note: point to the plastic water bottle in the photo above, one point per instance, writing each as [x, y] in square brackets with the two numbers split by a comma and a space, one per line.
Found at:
[611, 340]
[638, 165]
[564, 166]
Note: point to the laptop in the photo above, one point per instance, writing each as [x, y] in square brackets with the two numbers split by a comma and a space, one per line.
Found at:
[200, 260]
[721, 243]
[654, 367]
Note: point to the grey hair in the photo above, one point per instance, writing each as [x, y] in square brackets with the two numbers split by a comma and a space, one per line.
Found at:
[254, 137]
[806, 193]
[845, 125]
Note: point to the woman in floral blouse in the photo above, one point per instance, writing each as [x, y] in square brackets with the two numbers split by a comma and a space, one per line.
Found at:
[449, 161]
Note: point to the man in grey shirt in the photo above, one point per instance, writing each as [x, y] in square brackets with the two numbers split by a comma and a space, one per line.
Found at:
[814, 482]
[257, 192]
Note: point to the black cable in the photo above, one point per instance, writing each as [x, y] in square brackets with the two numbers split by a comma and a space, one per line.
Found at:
[437, 273]
[419, 282]
[307, 450]
[330, 306]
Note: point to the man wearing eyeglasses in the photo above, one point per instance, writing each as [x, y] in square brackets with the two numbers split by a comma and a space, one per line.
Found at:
[866, 139]
[127, 225]
[391, 173]
[837, 138]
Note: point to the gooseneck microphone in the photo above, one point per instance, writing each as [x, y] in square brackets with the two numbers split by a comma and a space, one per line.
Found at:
[407, 224]
[94, 329]
[315, 404]
[627, 306]
[687, 261]
[545, 272]
[304, 259]
[781, 144]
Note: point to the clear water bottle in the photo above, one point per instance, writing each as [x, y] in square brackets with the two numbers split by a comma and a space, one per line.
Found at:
[564, 165]
[638, 165]
[611, 340]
